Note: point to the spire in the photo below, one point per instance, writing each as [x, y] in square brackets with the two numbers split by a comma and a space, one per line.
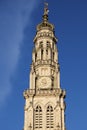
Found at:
[45, 15]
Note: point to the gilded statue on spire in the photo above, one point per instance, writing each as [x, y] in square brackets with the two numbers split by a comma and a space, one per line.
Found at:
[45, 23]
[46, 11]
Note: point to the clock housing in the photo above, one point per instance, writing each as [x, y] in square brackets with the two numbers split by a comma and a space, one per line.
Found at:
[44, 83]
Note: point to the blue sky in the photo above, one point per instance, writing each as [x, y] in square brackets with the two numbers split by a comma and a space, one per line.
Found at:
[18, 20]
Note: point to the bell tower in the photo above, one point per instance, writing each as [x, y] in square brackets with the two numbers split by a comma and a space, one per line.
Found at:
[44, 99]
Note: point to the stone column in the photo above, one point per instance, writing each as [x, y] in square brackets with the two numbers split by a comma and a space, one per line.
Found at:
[31, 85]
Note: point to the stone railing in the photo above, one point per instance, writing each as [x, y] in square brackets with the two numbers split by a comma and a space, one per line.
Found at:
[44, 92]
[48, 62]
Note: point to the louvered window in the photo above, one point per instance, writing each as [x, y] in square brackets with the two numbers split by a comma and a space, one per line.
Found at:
[49, 117]
[38, 117]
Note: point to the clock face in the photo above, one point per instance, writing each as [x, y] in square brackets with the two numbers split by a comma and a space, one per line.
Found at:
[44, 82]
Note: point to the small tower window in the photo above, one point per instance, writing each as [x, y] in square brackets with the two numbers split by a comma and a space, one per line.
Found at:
[35, 56]
[48, 43]
[42, 54]
[46, 51]
[52, 82]
[38, 117]
[41, 44]
[49, 117]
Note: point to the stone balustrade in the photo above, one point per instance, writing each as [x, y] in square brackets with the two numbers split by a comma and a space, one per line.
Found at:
[44, 92]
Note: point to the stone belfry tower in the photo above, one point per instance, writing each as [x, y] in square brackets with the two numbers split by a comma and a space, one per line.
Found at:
[44, 106]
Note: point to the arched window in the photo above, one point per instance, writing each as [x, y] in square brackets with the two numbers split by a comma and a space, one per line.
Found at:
[49, 117]
[38, 117]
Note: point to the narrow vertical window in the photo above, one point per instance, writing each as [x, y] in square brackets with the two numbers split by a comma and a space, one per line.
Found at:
[46, 51]
[49, 117]
[38, 117]
[52, 82]
[48, 42]
[42, 54]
